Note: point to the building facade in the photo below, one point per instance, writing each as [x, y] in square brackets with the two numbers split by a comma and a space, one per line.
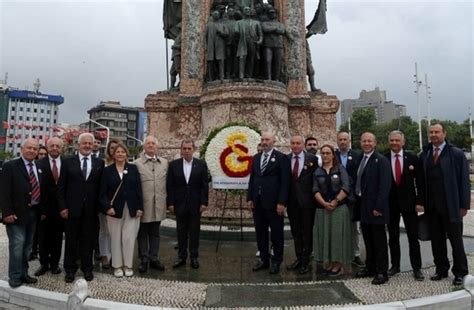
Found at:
[26, 114]
[385, 110]
[125, 123]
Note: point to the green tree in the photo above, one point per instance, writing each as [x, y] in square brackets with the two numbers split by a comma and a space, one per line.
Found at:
[362, 120]
[5, 155]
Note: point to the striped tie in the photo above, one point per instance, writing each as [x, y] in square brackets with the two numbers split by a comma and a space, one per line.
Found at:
[35, 189]
[264, 163]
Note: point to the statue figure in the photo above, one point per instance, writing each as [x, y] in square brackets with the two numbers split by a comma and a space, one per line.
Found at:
[273, 45]
[250, 35]
[216, 34]
[176, 59]
[231, 61]
[309, 68]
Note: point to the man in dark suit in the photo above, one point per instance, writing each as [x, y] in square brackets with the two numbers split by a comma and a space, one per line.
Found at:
[406, 199]
[51, 226]
[301, 203]
[78, 200]
[372, 189]
[21, 200]
[448, 197]
[187, 187]
[267, 197]
[350, 159]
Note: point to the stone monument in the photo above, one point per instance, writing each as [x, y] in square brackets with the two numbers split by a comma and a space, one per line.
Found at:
[285, 106]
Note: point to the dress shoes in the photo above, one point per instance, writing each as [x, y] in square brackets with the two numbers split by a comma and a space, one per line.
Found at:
[439, 276]
[157, 265]
[418, 275]
[69, 278]
[295, 265]
[260, 265]
[41, 271]
[28, 280]
[88, 275]
[379, 279]
[33, 256]
[15, 283]
[194, 263]
[305, 268]
[364, 273]
[358, 262]
[55, 270]
[179, 263]
[274, 268]
[458, 280]
[393, 271]
[143, 267]
[104, 261]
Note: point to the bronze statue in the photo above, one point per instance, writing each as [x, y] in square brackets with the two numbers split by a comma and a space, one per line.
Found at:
[216, 34]
[250, 35]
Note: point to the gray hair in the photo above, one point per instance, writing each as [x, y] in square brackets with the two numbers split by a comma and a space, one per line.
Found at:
[150, 137]
[83, 135]
[30, 140]
[51, 140]
[396, 132]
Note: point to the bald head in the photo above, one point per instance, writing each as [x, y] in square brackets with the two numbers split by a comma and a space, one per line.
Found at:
[368, 142]
[343, 141]
[267, 141]
[29, 149]
[150, 146]
[297, 144]
[55, 147]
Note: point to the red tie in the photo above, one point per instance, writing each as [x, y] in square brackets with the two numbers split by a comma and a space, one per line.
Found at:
[296, 167]
[398, 170]
[55, 172]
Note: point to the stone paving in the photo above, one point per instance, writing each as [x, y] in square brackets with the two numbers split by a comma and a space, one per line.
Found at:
[228, 273]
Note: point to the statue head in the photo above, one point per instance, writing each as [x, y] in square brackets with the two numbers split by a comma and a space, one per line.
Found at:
[271, 13]
[237, 14]
[221, 9]
[216, 15]
[259, 8]
[247, 11]
[230, 13]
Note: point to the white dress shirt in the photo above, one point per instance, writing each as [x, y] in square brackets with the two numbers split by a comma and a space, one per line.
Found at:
[89, 164]
[263, 156]
[187, 166]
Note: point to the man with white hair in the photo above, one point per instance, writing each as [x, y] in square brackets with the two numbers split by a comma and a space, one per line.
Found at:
[78, 199]
[153, 170]
[51, 226]
[21, 200]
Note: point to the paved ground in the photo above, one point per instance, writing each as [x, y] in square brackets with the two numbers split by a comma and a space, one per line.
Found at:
[225, 279]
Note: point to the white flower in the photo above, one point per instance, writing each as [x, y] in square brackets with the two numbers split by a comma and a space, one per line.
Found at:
[40, 171]
[272, 160]
[125, 171]
[350, 157]
[411, 167]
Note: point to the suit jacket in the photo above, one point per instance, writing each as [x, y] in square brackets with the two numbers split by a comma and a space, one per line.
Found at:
[129, 190]
[79, 196]
[271, 187]
[187, 198]
[375, 189]
[300, 192]
[15, 197]
[352, 165]
[50, 194]
[410, 192]
[457, 187]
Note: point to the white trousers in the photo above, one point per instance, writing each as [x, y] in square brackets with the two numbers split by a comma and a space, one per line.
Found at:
[104, 236]
[123, 235]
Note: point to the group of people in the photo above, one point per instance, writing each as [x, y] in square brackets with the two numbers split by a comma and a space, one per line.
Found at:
[109, 205]
[114, 204]
[329, 198]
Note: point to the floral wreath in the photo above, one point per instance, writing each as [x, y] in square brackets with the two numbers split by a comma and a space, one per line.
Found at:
[228, 150]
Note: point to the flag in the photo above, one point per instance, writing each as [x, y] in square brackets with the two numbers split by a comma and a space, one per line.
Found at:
[5, 125]
[3, 140]
[318, 25]
[171, 18]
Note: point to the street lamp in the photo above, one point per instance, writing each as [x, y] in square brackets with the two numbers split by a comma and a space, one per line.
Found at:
[417, 91]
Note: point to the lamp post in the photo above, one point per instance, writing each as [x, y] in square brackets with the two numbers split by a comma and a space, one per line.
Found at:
[417, 91]
[103, 126]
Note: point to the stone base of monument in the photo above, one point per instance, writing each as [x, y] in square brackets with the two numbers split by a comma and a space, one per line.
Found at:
[267, 105]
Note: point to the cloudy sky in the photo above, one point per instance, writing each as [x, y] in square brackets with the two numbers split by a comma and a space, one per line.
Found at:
[90, 51]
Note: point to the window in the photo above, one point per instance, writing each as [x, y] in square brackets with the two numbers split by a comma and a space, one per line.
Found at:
[21, 108]
[20, 118]
[13, 108]
[28, 109]
[12, 117]
[132, 117]
[10, 145]
[130, 143]
[47, 120]
[11, 127]
[48, 111]
[42, 119]
[54, 122]
[18, 145]
[35, 110]
[34, 119]
[131, 125]
[55, 112]
[27, 118]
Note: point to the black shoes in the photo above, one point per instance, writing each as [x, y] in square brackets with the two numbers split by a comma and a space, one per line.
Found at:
[33, 256]
[418, 275]
[457, 280]
[295, 265]
[275, 268]
[364, 273]
[194, 263]
[358, 262]
[393, 271]
[41, 271]
[380, 279]
[439, 276]
[143, 267]
[88, 275]
[157, 265]
[179, 262]
[15, 283]
[28, 280]
[69, 278]
[305, 268]
[55, 270]
[261, 265]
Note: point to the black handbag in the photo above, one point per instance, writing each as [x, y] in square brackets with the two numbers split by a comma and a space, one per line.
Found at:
[424, 227]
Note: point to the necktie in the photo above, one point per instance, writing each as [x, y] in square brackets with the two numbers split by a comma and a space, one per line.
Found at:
[398, 170]
[35, 189]
[359, 175]
[436, 155]
[55, 171]
[84, 167]
[296, 167]
[264, 163]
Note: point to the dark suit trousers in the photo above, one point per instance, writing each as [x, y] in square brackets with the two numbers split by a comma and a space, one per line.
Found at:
[375, 239]
[81, 237]
[264, 219]
[411, 227]
[301, 223]
[440, 228]
[148, 240]
[188, 228]
[50, 237]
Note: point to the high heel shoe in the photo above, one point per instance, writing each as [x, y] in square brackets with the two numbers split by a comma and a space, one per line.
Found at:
[335, 273]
